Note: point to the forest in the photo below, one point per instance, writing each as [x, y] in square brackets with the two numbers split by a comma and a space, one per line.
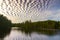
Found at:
[46, 27]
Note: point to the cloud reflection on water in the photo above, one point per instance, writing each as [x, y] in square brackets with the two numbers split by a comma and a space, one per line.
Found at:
[18, 35]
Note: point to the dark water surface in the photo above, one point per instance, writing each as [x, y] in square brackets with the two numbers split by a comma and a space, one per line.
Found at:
[18, 35]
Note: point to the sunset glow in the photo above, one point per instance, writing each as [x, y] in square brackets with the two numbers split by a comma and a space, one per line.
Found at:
[34, 10]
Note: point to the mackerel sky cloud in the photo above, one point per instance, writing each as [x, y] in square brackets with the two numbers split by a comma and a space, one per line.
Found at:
[34, 10]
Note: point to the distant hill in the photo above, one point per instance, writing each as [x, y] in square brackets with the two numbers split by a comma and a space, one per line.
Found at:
[51, 24]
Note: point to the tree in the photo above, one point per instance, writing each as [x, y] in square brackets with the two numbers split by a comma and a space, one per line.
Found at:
[5, 26]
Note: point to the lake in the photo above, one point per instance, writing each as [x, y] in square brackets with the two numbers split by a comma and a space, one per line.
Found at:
[18, 35]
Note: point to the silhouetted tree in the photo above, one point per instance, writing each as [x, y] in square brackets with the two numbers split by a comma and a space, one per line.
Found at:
[5, 26]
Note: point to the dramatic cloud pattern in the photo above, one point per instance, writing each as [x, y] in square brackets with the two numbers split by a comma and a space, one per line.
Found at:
[35, 10]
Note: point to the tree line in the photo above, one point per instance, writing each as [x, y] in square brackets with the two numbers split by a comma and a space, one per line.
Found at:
[48, 26]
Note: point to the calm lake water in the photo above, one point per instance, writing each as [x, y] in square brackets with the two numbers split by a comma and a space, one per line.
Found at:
[18, 35]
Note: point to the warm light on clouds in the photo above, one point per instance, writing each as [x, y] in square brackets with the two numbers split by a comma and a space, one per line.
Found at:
[34, 10]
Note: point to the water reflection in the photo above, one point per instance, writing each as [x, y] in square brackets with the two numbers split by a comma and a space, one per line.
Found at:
[18, 35]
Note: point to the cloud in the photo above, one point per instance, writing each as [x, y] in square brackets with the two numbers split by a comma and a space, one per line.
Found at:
[16, 12]
[56, 15]
[41, 16]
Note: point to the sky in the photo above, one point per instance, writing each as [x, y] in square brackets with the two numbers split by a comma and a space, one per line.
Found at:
[35, 10]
